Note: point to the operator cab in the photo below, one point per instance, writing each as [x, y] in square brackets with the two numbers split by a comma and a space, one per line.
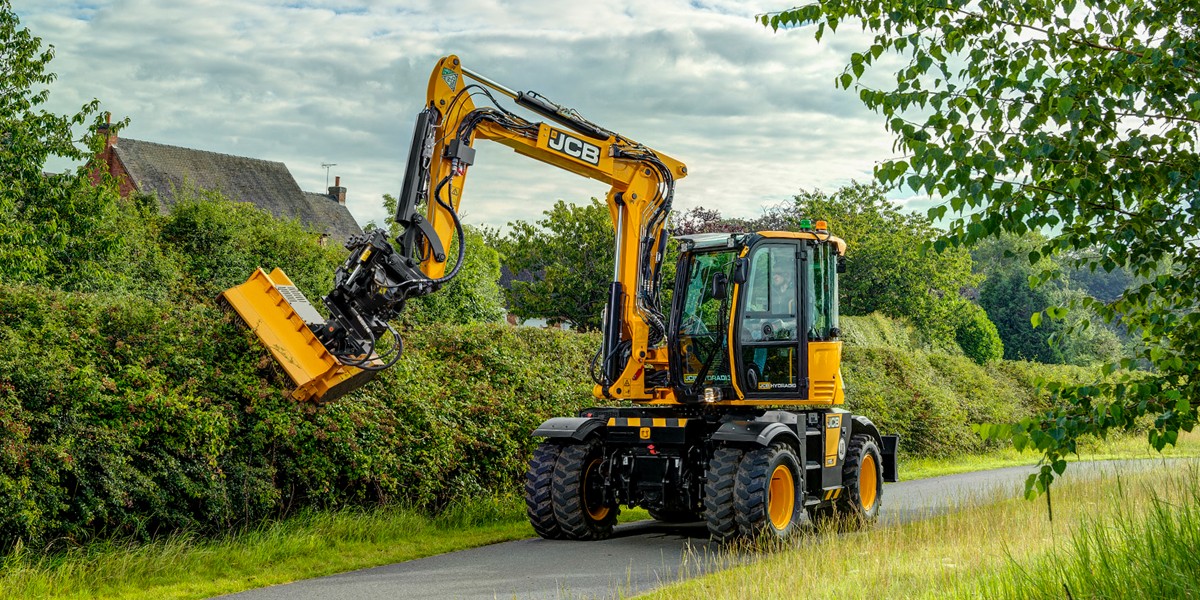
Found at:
[755, 318]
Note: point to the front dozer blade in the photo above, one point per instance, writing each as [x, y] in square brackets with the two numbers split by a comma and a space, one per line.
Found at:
[279, 314]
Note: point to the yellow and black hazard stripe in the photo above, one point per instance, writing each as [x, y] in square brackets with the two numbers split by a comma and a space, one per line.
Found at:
[647, 429]
[646, 422]
[833, 494]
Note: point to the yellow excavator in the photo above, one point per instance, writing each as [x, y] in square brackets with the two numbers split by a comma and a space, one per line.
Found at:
[726, 408]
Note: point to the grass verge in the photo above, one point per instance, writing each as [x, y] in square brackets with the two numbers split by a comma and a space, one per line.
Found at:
[309, 545]
[323, 543]
[1107, 531]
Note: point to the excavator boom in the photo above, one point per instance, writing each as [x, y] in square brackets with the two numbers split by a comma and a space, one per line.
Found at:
[327, 356]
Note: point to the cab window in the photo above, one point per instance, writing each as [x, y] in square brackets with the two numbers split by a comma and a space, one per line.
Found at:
[769, 320]
[821, 274]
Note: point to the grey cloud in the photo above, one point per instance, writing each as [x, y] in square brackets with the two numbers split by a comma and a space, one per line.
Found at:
[753, 113]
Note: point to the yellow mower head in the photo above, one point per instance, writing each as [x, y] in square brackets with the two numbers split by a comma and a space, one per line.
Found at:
[282, 318]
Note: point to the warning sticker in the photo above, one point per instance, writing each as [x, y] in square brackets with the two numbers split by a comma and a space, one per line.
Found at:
[450, 77]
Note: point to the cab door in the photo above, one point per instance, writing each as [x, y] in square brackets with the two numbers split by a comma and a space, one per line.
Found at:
[771, 348]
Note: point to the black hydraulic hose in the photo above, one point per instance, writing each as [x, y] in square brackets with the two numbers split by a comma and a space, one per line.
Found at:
[363, 363]
[458, 228]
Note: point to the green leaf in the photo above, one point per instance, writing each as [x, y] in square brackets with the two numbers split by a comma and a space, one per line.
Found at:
[1035, 319]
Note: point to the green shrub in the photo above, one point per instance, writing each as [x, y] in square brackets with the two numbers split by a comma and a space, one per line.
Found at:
[977, 335]
[880, 330]
[932, 399]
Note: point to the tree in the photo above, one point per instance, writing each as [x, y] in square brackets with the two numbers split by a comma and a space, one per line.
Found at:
[977, 336]
[704, 220]
[55, 226]
[1010, 301]
[1076, 118]
[569, 256]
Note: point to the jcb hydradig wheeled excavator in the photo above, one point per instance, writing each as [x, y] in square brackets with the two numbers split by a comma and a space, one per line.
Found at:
[726, 408]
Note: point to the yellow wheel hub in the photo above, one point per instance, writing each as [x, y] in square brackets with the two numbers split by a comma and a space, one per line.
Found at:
[868, 481]
[594, 506]
[781, 497]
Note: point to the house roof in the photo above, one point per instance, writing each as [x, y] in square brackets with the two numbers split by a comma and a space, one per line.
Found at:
[161, 169]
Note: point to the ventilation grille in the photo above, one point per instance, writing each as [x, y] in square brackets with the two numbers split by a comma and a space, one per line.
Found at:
[295, 298]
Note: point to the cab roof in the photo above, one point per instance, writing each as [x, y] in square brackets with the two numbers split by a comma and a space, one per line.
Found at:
[709, 241]
[820, 236]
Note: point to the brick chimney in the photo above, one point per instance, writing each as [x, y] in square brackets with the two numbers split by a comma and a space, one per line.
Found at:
[109, 133]
[337, 192]
[106, 162]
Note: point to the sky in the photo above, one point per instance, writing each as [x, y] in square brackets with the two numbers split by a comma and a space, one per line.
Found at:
[753, 113]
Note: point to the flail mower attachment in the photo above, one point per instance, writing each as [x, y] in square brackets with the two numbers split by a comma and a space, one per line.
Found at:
[328, 358]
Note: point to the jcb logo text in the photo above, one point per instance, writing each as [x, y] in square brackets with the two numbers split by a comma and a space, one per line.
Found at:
[574, 147]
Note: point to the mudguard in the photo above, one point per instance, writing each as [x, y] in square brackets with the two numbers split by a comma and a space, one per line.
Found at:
[761, 433]
[891, 469]
[568, 428]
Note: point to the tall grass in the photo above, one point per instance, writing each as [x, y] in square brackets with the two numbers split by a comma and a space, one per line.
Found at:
[991, 545]
[1117, 553]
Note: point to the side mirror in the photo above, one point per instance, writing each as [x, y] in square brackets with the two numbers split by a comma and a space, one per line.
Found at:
[741, 271]
[720, 286]
[841, 264]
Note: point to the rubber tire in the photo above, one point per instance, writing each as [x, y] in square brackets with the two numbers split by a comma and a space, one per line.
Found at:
[539, 488]
[848, 509]
[674, 516]
[850, 502]
[719, 480]
[567, 499]
[752, 492]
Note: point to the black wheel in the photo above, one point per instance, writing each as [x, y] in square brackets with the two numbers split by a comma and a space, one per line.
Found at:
[578, 497]
[769, 495]
[674, 516]
[719, 481]
[862, 481]
[863, 477]
[539, 488]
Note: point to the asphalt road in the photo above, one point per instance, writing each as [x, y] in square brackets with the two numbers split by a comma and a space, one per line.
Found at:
[639, 557]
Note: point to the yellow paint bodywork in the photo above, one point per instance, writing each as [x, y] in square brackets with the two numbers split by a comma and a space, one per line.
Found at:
[808, 235]
[317, 373]
[824, 375]
[833, 436]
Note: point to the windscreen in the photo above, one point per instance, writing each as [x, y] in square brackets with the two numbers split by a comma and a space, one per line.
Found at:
[704, 318]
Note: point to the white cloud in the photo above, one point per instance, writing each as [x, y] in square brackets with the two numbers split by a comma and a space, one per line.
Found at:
[753, 113]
